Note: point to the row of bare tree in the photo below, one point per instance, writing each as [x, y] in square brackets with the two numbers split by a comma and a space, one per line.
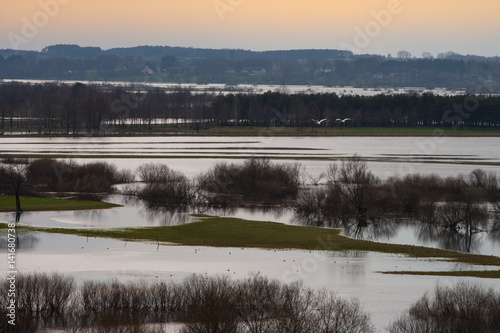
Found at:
[88, 109]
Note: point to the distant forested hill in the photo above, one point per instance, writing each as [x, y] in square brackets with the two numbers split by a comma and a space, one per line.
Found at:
[157, 52]
[237, 66]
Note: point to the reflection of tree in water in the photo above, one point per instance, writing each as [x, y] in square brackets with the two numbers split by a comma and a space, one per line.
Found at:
[372, 230]
[494, 234]
[367, 230]
[180, 215]
[23, 242]
[127, 200]
[91, 215]
[277, 212]
[221, 211]
[457, 240]
[166, 216]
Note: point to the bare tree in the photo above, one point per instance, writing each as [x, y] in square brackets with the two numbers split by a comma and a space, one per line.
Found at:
[15, 171]
[354, 182]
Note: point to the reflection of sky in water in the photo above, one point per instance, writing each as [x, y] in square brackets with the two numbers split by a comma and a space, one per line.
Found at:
[350, 274]
[136, 214]
[394, 155]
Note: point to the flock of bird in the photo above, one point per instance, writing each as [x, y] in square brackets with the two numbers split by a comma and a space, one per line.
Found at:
[338, 120]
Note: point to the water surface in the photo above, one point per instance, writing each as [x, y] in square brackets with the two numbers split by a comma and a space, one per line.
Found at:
[350, 274]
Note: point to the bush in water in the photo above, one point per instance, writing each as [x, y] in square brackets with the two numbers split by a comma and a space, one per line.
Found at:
[255, 180]
[463, 308]
[165, 187]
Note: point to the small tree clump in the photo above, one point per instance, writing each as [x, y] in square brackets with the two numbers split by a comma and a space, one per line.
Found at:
[256, 180]
[165, 187]
[463, 308]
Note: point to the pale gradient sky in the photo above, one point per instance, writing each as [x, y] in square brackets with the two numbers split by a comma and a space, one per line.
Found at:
[463, 26]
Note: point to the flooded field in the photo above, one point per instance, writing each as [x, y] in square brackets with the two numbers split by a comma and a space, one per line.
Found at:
[356, 274]
[386, 156]
[258, 89]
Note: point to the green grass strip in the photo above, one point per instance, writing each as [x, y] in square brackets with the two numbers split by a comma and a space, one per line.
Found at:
[233, 232]
[255, 131]
[8, 204]
[477, 274]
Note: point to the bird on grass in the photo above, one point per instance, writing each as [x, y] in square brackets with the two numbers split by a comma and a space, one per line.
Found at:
[318, 122]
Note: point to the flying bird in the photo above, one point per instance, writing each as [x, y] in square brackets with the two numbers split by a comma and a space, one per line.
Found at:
[342, 120]
[318, 122]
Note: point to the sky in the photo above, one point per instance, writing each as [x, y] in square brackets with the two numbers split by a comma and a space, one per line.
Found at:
[362, 26]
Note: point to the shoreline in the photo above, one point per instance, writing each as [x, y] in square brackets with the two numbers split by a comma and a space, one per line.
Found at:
[253, 131]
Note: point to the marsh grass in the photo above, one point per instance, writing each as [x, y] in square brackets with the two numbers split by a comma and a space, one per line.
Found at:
[160, 130]
[476, 274]
[8, 204]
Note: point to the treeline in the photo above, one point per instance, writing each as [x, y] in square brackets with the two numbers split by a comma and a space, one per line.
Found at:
[256, 304]
[322, 67]
[78, 109]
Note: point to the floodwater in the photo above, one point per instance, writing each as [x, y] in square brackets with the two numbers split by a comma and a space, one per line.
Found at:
[387, 156]
[135, 213]
[354, 274]
[350, 274]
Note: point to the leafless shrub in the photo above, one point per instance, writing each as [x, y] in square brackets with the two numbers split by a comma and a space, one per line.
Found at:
[310, 206]
[165, 187]
[157, 173]
[335, 314]
[209, 305]
[257, 303]
[256, 180]
[47, 174]
[204, 304]
[413, 189]
[356, 186]
[92, 186]
[458, 203]
[14, 172]
[43, 294]
[464, 308]
[124, 176]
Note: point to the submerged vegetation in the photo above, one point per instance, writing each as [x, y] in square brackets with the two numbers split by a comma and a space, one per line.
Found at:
[353, 196]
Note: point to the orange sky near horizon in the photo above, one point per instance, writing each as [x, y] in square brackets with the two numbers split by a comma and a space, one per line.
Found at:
[437, 26]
